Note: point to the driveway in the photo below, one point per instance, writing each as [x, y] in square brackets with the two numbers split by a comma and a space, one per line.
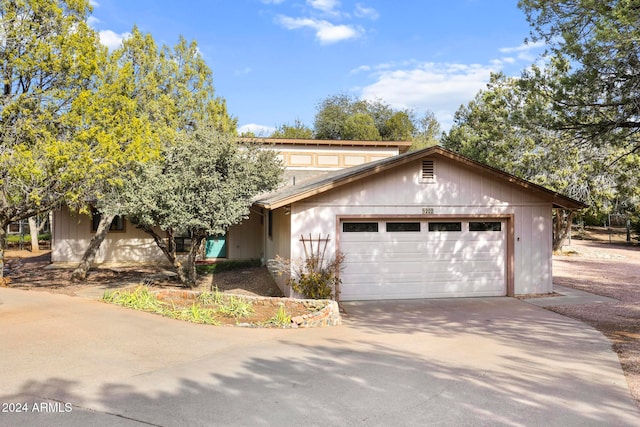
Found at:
[488, 361]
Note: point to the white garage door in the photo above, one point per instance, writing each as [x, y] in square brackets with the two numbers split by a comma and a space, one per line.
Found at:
[423, 259]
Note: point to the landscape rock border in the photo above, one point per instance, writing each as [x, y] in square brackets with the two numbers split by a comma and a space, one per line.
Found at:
[327, 312]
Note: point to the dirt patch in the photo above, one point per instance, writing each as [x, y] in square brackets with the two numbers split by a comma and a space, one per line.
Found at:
[33, 272]
[611, 270]
[219, 308]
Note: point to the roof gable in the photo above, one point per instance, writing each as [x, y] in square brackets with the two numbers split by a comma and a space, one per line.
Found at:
[332, 180]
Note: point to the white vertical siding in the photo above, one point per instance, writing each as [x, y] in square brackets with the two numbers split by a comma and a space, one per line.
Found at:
[72, 234]
[244, 241]
[457, 191]
[279, 243]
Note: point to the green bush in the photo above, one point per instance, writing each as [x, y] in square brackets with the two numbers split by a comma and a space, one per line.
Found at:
[227, 266]
[594, 219]
[15, 238]
[317, 279]
[236, 307]
[281, 318]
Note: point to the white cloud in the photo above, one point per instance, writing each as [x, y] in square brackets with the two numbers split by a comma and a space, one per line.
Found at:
[437, 87]
[258, 130]
[524, 52]
[272, 1]
[243, 71]
[327, 6]
[360, 69]
[523, 47]
[94, 3]
[111, 39]
[326, 32]
[366, 12]
[92, 20]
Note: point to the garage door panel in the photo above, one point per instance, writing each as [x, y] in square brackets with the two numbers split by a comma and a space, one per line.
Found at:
[425, 264]
[360, 280]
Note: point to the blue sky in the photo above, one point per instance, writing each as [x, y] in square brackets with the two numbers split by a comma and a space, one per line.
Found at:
[275, 60]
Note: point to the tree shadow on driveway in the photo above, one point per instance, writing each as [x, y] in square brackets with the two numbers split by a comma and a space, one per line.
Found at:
[339, 383]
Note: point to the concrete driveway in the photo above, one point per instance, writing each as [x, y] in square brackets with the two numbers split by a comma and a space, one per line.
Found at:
[69, 361]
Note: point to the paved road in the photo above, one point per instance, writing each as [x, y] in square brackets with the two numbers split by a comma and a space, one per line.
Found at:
[69, 361]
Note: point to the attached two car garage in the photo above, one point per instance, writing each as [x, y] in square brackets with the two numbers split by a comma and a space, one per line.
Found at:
[426, 224]
[423, 258]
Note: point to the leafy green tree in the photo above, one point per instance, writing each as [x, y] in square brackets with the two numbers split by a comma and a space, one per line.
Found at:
[505, 126]
[399, 127]
[596, 46]
[346, 117]
[168, 91]
[204, 184]
[331, 116]
[43, 159]
[427, 132]
[360, 126]
[297, 130]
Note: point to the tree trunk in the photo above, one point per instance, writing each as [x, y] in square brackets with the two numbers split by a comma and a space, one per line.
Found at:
[3, 245]
[33, 231]
[561, 227]
[80, 273]
[188, 274]
[168, 248]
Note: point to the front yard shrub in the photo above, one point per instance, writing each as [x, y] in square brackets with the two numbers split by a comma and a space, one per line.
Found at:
[236, 307]
[204, 309]
[317, 276]
[281, 318]
[139, 299]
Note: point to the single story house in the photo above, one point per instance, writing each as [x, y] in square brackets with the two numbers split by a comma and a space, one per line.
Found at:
[301, 158]
[423, 224]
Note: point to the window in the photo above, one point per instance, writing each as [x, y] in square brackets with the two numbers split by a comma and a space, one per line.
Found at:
[270, 223]
[183, 242]
[428, 171]
[485, 226]
[360, 227]
[445, 226]
[396, 227]
[116, 225]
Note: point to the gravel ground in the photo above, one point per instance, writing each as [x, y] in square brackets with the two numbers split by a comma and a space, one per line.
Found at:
[611, 270]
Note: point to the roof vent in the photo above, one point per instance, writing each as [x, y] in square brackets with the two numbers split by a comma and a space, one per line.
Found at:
[428, 171]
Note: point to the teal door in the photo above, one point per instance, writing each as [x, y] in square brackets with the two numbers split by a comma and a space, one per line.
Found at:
[216, 246]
